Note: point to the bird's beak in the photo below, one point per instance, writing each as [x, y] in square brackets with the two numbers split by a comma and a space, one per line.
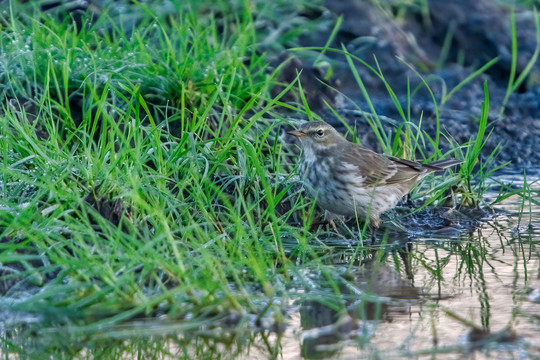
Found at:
[297, 133]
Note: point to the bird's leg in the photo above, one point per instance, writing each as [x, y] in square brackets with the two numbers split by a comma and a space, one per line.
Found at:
[330, 219]
[374, 225]
[373, 233]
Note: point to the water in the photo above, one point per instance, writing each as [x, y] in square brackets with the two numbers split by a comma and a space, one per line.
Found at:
[483, 281]
[474, 295]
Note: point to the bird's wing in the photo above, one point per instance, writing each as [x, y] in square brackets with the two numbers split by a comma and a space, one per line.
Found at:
[378, 169]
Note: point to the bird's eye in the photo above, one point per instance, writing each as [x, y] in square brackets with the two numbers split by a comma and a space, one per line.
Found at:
[320, 132]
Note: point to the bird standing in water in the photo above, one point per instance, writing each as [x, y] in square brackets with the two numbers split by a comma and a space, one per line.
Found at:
[351, 180]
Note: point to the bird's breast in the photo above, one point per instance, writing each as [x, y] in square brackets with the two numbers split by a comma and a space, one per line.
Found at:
[332, 186]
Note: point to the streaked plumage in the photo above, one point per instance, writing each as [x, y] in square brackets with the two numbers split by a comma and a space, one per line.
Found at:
[351, 180]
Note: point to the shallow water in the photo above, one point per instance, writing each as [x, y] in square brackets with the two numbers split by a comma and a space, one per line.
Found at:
[471, 294]
[482, 281]
[479, 286]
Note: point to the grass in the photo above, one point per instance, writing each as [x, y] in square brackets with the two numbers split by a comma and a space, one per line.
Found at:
[141, 177]
[124, 207]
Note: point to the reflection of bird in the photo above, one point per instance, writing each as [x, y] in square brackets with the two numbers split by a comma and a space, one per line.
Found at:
[348, 179]
[325, 325]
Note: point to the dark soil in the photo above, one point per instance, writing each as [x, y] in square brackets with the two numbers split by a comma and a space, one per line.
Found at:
[481, 31]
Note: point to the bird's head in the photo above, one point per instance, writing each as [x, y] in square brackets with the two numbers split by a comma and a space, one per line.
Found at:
[317, 136]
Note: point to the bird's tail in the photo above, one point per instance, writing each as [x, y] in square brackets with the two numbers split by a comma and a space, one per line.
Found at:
[434, 166]
[442, 164]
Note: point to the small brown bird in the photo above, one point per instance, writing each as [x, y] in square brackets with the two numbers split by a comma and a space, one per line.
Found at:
[351, 180]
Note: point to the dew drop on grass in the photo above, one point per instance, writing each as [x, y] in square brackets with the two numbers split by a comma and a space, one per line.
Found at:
[24, 205]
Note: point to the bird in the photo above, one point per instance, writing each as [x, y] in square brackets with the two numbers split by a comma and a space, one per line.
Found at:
[351, 180]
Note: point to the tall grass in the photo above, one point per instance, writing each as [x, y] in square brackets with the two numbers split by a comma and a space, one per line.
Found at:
[138, 174]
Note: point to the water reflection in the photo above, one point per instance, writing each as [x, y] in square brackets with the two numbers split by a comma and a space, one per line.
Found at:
[369, 295]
